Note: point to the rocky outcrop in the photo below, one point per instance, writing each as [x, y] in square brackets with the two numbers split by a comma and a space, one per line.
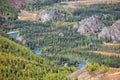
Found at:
[21, 39]
[104, 33]
[92, 24]
[83, 74]
[47, 15]
[112, 32]
[61, 34]
[88, 25]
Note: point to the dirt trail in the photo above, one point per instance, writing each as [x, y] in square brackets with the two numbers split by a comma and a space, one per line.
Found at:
[111, 44]
[74, 4]
[27, 15]
[113, 75]
[90, 1]
[106, 53]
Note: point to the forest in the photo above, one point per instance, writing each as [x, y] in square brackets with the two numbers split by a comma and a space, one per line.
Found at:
[7, 10]
[22, 63]
[58, 41]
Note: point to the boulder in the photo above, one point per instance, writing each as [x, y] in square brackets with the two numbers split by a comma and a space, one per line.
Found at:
[21, 39]
[47, 15]
[61, 34]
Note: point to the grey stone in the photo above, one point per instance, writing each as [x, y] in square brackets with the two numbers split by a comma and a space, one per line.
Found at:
[112, 32]
[88, 25]
[47, 15]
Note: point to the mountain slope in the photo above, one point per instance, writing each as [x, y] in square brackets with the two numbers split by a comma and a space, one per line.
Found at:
[83, 74]
[19, 63]
[18, 3]
[7, 10]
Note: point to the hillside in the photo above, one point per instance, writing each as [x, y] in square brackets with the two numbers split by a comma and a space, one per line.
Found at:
[18, 62]
[18, 3]
[32, 3]
[7, 11]
[96, 75]
[50, 39]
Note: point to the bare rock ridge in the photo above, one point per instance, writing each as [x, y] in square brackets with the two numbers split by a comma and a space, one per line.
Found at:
[112, 32]
[88, 25]
[92, 24]
[83, 74]
[47, 15]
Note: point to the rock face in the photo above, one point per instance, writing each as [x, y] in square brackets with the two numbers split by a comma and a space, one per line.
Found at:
[61, 34]
[92, 24]
[21, 39]
[112, 32]
[104, 33]
[83, 74]
[88, 25]
[47, 15]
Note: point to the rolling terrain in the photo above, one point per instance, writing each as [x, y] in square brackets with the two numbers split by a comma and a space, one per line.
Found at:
[59, 39]
[19, 62]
